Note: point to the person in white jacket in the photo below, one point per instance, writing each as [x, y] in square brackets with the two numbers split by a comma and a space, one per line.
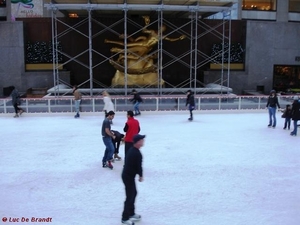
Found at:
[108, 104]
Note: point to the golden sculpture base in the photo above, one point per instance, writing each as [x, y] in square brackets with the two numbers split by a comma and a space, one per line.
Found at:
[147, 79]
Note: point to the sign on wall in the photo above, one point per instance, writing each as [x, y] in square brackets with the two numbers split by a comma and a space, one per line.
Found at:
[26, 8]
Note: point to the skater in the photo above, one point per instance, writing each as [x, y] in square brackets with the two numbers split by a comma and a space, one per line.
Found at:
[287, 115]
[136, 102]
[16, 101]
[108, 104]
[271, 105]
[116, 142]
[107, 137]
[295, 114]
[77, 100]
[190, 101]
[132, 167]
[131, 128]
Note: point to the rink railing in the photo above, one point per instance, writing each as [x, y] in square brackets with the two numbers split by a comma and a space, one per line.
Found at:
[151, 103]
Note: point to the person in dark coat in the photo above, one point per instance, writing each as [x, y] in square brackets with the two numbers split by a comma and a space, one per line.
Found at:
[16, 101]
[132, 167]
[117, 142]
[190, 102]
[137, 99]
[272, 105]
[295, 114]
[287, 115]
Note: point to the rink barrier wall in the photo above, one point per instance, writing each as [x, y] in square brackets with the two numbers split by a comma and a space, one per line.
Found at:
[150, 103]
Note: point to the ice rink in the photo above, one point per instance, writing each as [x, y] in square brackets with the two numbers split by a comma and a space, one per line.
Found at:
[224, 168]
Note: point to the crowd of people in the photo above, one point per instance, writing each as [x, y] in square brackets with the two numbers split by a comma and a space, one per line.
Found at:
[132, 160]
[291, 112]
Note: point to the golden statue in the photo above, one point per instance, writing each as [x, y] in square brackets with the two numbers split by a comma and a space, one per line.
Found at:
[141, 69]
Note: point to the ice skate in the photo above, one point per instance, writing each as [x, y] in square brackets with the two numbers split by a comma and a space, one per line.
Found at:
[127, 222]
[269, 125]
[116, 157]
[104, 165]
[16, 116]
[77, 116]
[21, 111]
[109, 165]
[135, 217]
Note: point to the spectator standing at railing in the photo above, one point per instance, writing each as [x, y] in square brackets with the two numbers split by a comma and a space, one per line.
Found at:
[16, 101]
[272, 105]
[190, 102]
[295, 114]
[77, 100]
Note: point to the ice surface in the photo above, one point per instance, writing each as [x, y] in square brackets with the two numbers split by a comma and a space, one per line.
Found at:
[220, 169]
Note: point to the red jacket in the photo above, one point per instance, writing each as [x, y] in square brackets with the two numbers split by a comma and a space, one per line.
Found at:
[132, 127]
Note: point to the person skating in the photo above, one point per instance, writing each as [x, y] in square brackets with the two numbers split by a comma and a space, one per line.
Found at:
[190, 102]
[15, 99]
[272, 105]
[295, 115]
[287, 115]
[108, 104]
[117, 142]
[131, 128]
[77, 100]
[132, 167]
[107, 136]
[137, 99]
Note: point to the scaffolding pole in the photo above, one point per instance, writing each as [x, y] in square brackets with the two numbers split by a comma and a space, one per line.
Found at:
[194, 35]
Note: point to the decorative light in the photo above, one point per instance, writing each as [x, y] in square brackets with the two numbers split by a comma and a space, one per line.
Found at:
[73, 15]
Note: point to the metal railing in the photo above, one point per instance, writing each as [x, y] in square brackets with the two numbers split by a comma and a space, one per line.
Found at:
[150, 103]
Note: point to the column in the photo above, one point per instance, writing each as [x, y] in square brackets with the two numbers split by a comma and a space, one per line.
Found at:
[282, 11]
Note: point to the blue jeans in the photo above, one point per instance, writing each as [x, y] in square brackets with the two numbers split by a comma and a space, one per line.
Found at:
[110, 149]
[272, 116]
[136, 107]
[77, 103]
[295, 127]
[287, 123]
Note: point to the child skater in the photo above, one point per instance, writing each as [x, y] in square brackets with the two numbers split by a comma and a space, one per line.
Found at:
[287, 115]
[190, 101]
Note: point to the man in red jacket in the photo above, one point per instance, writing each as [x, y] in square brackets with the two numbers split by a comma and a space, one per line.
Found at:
[132, 127]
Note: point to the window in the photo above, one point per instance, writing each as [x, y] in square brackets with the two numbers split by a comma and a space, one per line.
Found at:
[2, 3]
[261, 5]
[286, 78]
[294, 5]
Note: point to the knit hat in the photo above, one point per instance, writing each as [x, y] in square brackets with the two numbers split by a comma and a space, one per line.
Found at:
[138, 137]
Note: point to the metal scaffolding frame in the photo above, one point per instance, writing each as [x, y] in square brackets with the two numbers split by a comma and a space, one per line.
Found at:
[195, 23]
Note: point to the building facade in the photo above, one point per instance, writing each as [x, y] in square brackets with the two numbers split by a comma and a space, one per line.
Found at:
[271, 60]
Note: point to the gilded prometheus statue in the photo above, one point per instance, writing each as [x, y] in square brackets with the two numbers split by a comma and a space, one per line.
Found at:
[141, 67]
